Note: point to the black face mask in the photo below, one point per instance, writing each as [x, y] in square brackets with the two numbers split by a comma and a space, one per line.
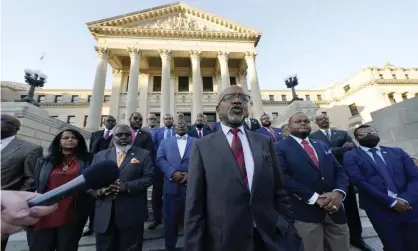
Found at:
[369, 141]
[200, 126]
[301, 135]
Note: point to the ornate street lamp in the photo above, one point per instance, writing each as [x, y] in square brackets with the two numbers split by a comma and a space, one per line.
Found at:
[34, 78]
[292, 82]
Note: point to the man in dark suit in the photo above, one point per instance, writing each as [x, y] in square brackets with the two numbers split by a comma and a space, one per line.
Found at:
[251, 124]
[152, 126]
[268, 130]
[235, 199]
[121, 208]
[173, 159]
[387, 180]
[18, 160]
[318, 185]
[100, 140]
[167, 131]
[140, 138]
[340, 142]
[216, 125]
[199, 130]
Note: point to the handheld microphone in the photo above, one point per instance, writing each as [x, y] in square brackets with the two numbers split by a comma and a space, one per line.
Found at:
[99, 175]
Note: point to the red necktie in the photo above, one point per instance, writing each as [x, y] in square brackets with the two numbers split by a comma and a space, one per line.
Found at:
[239, 154]
[310, 151]
[272, 133]
[133, 135]
[107, 135]
[200, 133]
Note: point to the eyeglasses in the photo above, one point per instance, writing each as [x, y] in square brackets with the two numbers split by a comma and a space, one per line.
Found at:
[242, 97]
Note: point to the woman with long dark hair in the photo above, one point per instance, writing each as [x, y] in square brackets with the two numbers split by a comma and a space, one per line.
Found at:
[61, 231]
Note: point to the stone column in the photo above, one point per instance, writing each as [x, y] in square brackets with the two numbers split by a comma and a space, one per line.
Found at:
[197, 84]
[96, 102]
[243, 81]
[165, 83]
[132, 96]
[255, 87]
[143, 94]
[398, 97]
[173, 82]
[223, 62]
[115, 98]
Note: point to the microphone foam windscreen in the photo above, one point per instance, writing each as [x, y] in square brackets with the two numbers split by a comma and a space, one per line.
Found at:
[101, 174]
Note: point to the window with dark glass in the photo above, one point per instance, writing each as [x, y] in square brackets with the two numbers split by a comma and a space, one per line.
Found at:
[157, 114]
[271, 97]
[106, 98]
[74, 98]
[156, 86]
[308, 97]
[183, 84]
[23, 96]
[58, 98]
[71, 120]
[319, 97]
[207, 84]
[275, 115]
[127, 84]
[103, 118]
[353, 109]
[55, 117]
[89, 98]
[284, 98]
[346, 88]
[41, 98]
[233, 80]
[187, 117]
[85, 120]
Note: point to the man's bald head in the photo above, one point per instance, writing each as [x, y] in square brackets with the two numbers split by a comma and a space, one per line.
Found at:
[10, 125]
[322, 120]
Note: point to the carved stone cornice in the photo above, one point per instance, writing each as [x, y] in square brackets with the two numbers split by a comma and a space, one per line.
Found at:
[102, 51]
[250, 56]
[134, 53]
[70, 104]
[117, 72]
[165, 54]
[223, 55]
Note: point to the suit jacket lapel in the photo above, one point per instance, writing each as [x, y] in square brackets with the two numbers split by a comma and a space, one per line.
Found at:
[129, 155]
[257, 152]
[188, 144]
[324, 138]
[111, 154]
[319, 152]
[221, 144]
[12, 147]
[299, 149]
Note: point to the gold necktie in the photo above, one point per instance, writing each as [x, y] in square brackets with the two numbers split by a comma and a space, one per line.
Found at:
[121, 156]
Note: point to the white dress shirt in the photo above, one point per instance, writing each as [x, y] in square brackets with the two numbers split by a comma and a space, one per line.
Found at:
[181, 144]
[248, 155]
[379, 153]
[324, 131]
[315, 196]
[5, 142]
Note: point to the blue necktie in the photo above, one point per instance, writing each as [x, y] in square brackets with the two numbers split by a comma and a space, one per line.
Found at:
[168, 133]
[384, 170]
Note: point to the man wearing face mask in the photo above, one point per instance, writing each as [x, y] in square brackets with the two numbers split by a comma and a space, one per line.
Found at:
[317, 185]
[199, 130]
[387, 179]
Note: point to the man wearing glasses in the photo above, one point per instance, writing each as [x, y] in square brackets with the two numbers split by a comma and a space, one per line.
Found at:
[387, 179]
[235, 197]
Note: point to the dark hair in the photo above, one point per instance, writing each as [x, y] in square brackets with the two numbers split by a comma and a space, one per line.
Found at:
[81, 152]
[359, 127]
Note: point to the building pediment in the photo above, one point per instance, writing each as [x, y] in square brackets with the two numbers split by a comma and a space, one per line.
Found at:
[174, 20]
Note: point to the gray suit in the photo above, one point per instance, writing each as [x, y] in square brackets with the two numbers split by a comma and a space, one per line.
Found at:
[148, 129]
[18, 160]
[221, 211]
[120, 219]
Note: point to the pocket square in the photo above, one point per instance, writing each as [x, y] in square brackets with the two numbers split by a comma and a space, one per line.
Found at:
[266, 156]
[134, 161]
[328, 152]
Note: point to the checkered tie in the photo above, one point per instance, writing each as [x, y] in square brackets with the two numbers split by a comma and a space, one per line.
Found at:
[239, 154]
[328, 134]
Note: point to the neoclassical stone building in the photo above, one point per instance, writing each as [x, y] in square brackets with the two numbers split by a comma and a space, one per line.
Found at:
[176, 58]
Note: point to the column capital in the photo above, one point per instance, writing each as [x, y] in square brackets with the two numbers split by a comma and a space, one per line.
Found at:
[195, 55]
[102, 51]
[144, 75]
[250, 56]
[223, 55]
[165, 54]
[134, 53]
[117, 72]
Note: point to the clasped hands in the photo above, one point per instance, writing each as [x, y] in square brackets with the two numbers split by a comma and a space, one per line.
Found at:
[348, 145]
[330, 202]
[401, 206]
[114, 189]
[179, 177]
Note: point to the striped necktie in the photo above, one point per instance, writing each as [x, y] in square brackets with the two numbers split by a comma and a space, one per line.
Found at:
[239, 154]
[328, 134]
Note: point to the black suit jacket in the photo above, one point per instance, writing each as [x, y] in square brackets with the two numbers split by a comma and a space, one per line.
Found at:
[193, 132]
[255, 125]
[130, 207]
[338, 138]
[220, 209]
[142, 140]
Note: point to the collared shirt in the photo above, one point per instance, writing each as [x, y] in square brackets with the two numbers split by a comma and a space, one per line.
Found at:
[110, 132]
[315, 196]
[5, 142]
[181, 144]
[248, 121]
[248, 155]
[324, 131]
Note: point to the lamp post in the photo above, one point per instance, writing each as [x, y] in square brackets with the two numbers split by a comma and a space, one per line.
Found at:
[34, 78]
[292, 82]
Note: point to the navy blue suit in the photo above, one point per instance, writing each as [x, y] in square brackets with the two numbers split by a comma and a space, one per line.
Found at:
[169, 160]
[157, 187]
[193, 132]
[397, 231]
[216, 126]
[277, 133]
[302, 179]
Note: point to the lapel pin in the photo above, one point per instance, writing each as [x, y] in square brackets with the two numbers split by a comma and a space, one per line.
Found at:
[132, 154]
[384, 152]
